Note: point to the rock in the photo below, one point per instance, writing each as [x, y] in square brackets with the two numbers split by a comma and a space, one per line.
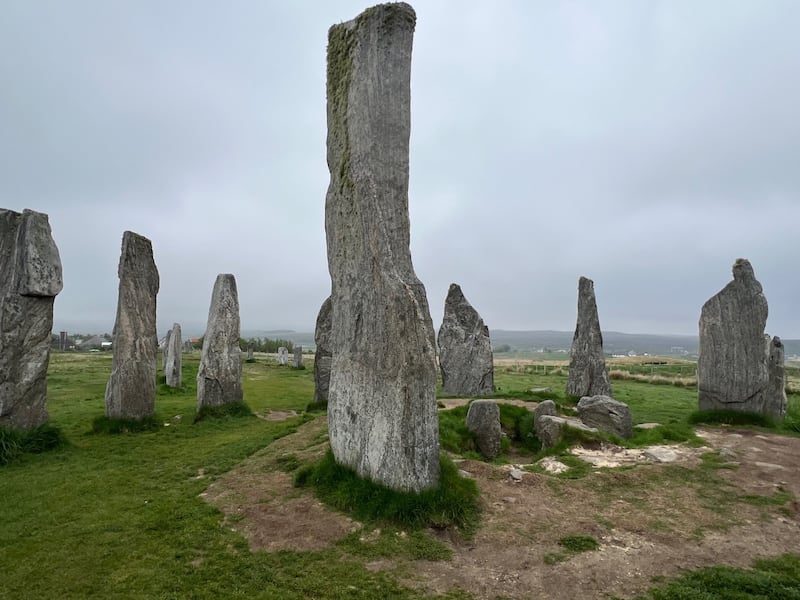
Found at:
[465, 351]
[164, 351]
[775, 401]
[322, 357]
[739, 367]
[660, 454]
[606, 414]
[646, 426]
[540, 390]
[549, 429]
[483, 420]
[587, 365]
[298, 357]
[465, 474]
[131, 389]
[30, 278]
[382, 413]
[283, 356]
[174, 362]
[250, 353]
[551, 465]
[516, 474]
[544, 408]
[219, 378]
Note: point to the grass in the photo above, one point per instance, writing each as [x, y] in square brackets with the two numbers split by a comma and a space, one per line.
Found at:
[516, 423]
[14, 443]
[120, 516]
[769, 579]
[452, 504]
[572, 545]
[232, 410]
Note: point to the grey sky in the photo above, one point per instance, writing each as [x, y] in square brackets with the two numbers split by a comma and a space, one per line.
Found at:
[643, 144]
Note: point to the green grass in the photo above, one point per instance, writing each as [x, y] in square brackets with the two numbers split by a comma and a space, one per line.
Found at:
[769, 579]
[232, 410]
[14, 443]
[452, 504]
[731, 417]
[572, 545]
[120, 516]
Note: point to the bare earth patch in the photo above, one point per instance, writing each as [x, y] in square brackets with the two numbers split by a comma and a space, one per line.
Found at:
[651, 519]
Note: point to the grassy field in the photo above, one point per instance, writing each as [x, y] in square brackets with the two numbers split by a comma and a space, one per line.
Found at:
[120, 516]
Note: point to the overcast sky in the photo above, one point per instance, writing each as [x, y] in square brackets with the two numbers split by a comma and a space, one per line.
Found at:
[644, 144]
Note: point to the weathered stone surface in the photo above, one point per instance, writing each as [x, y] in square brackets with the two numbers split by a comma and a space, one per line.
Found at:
[465, 351]
[549, 429]
[733, 369]
[483, 420]
[322, 357]
[164, 351]
[283, 356]
[545, 407]
[775, 397]
[219, 378]
[30, 278]
[382, 414]
[250, 353]
[298, 357]
[606, 414]
[131, 389]
[587, 365]
[174, 353]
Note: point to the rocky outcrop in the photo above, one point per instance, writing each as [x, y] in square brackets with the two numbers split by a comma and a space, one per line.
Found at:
[733, 369]
[483, 420]
[606, 414]
[382, 414]
[465, 350]
[30, 279]
[174, 361]
[131, 389]
[322, 356]
[587, 365]
[219, 378]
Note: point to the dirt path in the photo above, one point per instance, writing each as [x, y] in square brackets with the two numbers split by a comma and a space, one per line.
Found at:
[651, 520]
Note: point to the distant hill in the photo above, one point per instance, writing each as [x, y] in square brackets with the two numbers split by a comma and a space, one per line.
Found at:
[614, 342]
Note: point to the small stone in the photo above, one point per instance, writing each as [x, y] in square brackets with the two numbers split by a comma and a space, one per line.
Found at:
[646, 426]
[516, 474]
[466, 474]
[606, 414]
[483, 420]
[551, 465]
[661, 455]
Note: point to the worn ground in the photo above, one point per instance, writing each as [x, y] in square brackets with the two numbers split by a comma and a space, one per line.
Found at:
[728, 503]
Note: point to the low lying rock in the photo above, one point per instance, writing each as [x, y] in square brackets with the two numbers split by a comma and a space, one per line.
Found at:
[606, 414]
[549, 429]
[483, 420]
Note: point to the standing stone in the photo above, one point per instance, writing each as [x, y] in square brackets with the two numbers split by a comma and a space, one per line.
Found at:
[382, 414]
[483, 420]
[298, 357]
[322, 356]
[733, 369]
[465, 350]
[219, 378]
[30, 279]
[164, 351]
[250, 353]
[283, 356]
[776, 404]
[174, 362]
[587, 365]
[131, 389]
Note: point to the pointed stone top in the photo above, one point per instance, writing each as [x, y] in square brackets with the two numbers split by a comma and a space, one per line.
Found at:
[743, 270]
[584, 282]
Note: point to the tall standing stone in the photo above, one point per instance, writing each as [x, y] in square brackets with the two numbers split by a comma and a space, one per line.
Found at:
[164, 351]
[131, 389]
[322, 356]
[298, 356]
[219, 378]
[587, 365]
[30, 279]
[465, 350]
[736, 358]
[174, 354]
[382, 414]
